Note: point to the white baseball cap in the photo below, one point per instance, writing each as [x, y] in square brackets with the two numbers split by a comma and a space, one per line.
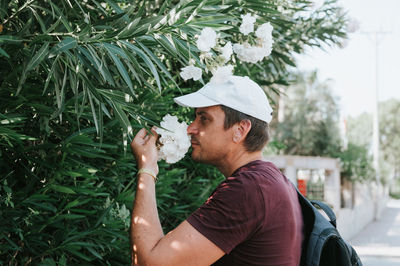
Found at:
[239, 93]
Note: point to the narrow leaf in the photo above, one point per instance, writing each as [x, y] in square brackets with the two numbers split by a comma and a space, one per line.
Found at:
[147, 61]
[129, 29]
[62, 189]
[66, 44]
[122, 117]
[38, 57]
[101, 66]
[122, 70]
[93, 112]
[158, 62]
[50, 75]
[2, 52]
[9, 39]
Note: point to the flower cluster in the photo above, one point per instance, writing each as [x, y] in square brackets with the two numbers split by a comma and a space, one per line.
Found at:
[175, 141]
[253, 51]
[207, 40]
[247, 25]
[191, 72]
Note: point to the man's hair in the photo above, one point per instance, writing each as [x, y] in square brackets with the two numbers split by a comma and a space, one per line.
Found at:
[258, 135]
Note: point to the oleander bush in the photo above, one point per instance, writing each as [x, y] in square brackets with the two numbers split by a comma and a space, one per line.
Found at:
[79, 78]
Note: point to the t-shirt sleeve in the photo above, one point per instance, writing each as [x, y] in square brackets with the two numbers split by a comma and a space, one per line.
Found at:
[230, 215]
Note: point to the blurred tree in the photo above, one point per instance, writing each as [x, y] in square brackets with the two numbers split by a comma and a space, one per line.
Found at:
[310, 119]
[77, 78]
[389, 129]
[359, 130]
[356, 163]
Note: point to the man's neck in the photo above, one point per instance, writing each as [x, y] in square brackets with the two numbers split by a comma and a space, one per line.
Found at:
[237, 160]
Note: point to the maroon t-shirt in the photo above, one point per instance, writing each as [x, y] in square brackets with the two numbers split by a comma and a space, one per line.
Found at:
[254, 216]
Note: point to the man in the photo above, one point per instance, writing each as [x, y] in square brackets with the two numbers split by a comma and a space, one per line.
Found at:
[252, 218]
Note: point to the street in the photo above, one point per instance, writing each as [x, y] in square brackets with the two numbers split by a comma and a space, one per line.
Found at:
[379, 242]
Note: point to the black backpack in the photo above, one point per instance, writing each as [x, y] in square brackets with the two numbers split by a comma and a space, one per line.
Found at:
[323, 244]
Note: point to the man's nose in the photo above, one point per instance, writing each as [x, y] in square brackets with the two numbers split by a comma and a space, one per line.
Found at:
[192, 129]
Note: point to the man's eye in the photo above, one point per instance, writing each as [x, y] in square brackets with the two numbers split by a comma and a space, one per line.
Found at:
[202, 118]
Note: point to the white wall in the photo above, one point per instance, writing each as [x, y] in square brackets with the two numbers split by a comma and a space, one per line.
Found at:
[370, 199]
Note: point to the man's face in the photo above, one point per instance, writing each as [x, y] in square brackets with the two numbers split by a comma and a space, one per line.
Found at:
[210, 141]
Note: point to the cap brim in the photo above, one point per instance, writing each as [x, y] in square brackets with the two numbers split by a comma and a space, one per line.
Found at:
[195, 100]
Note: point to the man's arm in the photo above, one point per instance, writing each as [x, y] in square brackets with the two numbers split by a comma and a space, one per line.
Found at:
[182, 246]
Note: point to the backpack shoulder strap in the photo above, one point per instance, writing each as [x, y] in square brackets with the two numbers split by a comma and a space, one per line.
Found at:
[331, 215]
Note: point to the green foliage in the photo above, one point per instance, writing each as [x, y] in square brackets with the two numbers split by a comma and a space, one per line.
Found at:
[360, 133]
[389, 130]
[356, 164]
[359, 130]
[310, 118]
[78, 78]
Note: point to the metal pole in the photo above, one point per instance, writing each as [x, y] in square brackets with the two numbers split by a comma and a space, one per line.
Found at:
[375, 134]
[375, 127]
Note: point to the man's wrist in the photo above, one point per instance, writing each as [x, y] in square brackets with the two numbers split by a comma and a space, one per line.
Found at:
[148, 172]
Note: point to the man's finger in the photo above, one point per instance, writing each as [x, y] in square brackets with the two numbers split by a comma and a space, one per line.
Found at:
[141, 134]
[153, 135]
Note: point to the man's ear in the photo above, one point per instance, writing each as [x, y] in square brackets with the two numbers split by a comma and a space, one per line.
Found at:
[240, 130]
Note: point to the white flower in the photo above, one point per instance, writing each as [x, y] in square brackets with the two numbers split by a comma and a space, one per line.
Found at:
[251, 54]
[191, 72]
[264, 31]
[247, 25]
[207, 39]
[227, 51]
[221, 74]
[174, 139]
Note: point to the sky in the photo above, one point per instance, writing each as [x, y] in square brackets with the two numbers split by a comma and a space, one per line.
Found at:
[352, 69]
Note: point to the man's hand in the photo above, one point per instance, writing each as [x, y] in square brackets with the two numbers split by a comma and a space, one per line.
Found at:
[144, 149]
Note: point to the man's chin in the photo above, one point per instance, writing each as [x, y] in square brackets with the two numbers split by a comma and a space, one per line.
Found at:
[196, 157]
[200, 159]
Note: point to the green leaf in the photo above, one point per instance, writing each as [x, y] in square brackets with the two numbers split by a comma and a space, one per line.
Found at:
[71, 216]
[47, 262]
[122, 117]
[94, 252]
[129, 29]
[76, 203]
[62, 189]
[103, 216]
[101, 65]
[116, 8]
[79, 254]
[56, 10]
[88, 152]
[158, 62]
[93, 111]
[2, 52]
[147, 61]
[116, 96]
[38, 57]
[50, 75]
[66, 44]
[120, 66]
[9, 39]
